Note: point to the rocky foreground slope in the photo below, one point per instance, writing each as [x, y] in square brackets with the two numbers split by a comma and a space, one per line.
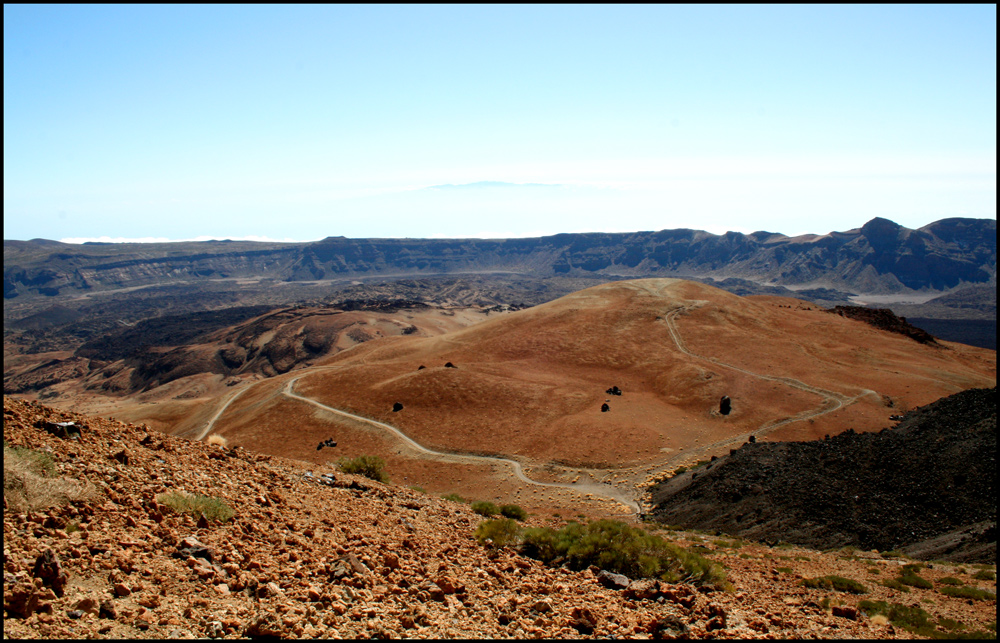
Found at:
[356, 558]
[930, 478]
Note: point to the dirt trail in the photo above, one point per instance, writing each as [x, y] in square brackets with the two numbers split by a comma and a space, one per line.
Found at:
[832, 401]
[607, 491]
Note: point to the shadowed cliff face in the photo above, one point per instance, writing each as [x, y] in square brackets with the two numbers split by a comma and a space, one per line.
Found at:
[880, 257]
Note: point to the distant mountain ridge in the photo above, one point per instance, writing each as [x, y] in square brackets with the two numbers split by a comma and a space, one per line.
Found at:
[881, 257]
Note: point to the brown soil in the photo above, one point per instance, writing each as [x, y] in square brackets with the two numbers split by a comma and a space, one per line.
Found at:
[362, 559]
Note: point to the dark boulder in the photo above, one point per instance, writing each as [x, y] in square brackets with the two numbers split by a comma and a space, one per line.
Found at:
[450, 365]
[397, 407]
[605, 408]
[725, 405]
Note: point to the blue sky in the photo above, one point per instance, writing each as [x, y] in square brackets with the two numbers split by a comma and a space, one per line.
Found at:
[301, 122]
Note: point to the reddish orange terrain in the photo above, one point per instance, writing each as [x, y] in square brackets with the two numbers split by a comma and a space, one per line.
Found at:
[97, 545]
[530, 386]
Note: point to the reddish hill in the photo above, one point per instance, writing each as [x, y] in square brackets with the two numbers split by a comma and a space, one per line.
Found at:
[531, 384]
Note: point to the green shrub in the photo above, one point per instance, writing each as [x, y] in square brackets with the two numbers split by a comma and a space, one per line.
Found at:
[915, 581]
[369, 466]
[485, 508]
[910, 618]
[726, 544]
[513, 511]
[784, 570]
[895, 553]
[874, 571]
[919, 622]
[951, 624]
[498, 533]
[838, 583]
[985, 574]
[418, 488]
[896, 585]
[617, 547]
[950, 580]
[969, 592]
[211, 508]
[454, 497]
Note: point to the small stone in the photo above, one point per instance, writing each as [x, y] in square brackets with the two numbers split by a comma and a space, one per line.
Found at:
[49, 570]
[107, 610]
[88, 605]
[121, 589]
[542, 606]
[643, 589]
[845, 611]
[75, 614]
[612, 580]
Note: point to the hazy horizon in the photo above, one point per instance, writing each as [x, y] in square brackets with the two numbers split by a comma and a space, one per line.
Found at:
[493, 121]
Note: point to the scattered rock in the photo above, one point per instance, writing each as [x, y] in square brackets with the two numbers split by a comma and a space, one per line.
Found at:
[725, 405]
[450, 365]
[191, 547]
[49, 569]
[107, 610]
[643, 589]
[605, 408]
[396, 407]
[582, 620]
[20, 600]
[612, 580]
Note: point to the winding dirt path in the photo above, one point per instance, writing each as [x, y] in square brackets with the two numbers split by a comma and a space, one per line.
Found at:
[832, 401]
[468, 458]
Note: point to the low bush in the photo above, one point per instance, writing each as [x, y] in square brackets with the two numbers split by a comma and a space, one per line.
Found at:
[919, 621]
[950, 580]
[985, 574]
[215, 438]
[896, 585]
[513, 511]
[617, 547]
[211, 508]
[369, 466]
[454, 497]
[485, 508]
[784, 570]
[915, 581]
[969, 592]
[838, 583]
[503, 532]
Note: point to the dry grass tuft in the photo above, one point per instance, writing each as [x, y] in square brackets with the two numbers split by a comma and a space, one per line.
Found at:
[28, 484]
[195, 504]
[215, 438]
